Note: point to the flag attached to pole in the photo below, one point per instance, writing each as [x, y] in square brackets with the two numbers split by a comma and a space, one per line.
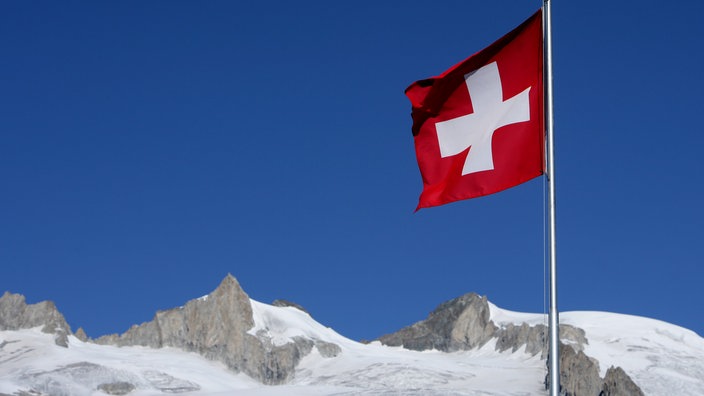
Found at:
[479, 126]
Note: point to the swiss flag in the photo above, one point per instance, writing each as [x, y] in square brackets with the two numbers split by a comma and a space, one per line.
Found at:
[479, 126]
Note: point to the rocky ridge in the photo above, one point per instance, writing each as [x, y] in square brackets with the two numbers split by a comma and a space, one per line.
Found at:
[464, 323]
[16, 314]
[216, 326]
[219, 327]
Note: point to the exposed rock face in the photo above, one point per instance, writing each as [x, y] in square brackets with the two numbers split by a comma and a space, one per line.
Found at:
[464, 323]
[327, 349]
[459, 324]
[535, 338]
[81, 334]
[286, 303]
[579, 375]
[116, 388]
[216, 326]
[618, 383]
[16, 314]
[512, 337]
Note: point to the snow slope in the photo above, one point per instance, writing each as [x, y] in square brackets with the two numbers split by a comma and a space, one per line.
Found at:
[663, 359]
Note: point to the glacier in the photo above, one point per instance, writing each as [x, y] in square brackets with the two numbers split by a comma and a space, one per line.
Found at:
[663, 359]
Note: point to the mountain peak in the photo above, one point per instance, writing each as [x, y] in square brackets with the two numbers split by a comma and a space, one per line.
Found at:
[229, 278]
[462, 323]
[16, 314]
[221, 326]
[229, 285]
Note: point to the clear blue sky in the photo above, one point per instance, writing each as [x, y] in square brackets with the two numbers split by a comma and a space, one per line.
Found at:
[150, 148]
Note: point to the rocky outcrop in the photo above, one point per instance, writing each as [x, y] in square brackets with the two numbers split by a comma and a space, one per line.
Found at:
[535, 338]
[459, 324]
[618, 383]
[579, 376]
[512, 337]
[16, 314]
[464, 323]
[116, 388]
[81, 334]
[286, 303]
[216, 326]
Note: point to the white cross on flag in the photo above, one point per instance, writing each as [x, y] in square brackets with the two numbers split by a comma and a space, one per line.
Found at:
[479, 126]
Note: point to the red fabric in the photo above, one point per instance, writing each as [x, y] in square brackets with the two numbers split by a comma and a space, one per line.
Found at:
[518, 149]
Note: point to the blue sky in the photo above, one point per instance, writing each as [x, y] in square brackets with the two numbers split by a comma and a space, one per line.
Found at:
[150, 148]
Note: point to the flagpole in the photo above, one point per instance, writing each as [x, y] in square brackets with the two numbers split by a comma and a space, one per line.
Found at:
[554, 352]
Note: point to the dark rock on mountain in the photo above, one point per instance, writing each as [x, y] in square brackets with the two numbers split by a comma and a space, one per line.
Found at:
[535, 338]
[286, 303]
[116, 388]
[464, 323]
[81, 334]
[618, 383]
[512, 337]
[16, 314]
[327, 349]
[579, 375]
[459, 324]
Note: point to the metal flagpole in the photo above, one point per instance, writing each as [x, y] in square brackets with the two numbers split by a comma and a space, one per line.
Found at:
[554, 353]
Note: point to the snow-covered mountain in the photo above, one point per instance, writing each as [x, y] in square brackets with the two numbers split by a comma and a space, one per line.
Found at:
[168, 355]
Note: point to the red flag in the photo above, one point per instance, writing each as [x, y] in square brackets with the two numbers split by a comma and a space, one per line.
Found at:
[479, 127]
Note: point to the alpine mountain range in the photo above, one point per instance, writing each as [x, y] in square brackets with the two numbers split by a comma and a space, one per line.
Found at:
[226, 343]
